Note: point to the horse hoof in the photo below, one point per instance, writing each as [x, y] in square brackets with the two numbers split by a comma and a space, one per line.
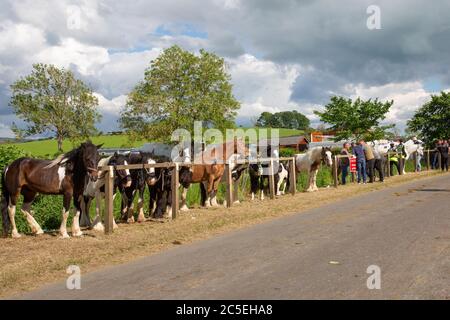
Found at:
[237, 202]
[141, 218]
[77, 234]
[64, 236]
[98, 227]
[16, 235]
[39, 232]
[130, 220]
[184, 208]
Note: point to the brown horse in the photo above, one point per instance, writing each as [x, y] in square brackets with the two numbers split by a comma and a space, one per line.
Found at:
[208, 169]
[65, 175]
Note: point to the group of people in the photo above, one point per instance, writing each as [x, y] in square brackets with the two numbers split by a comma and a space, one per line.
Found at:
[368, 161]
[442, 150]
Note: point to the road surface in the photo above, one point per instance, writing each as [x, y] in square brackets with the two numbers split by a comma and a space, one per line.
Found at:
[320, 253]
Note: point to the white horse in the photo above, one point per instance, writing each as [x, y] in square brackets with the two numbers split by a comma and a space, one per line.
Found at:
[310, 162]
[413, 147]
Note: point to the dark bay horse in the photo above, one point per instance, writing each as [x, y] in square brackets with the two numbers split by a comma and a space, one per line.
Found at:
[139, 179]
[63, 176]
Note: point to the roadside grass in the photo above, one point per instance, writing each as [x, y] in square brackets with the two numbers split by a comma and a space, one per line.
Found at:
[31, 261]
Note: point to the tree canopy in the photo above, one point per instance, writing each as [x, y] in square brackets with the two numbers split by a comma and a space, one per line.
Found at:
[432, 120]
[356, 119]
[53, 100]
[179, 88]
[285, 119]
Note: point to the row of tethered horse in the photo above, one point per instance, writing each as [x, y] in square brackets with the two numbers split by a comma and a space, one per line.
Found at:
[77, 176]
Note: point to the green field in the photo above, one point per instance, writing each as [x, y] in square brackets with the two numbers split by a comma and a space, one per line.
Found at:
[48, 148]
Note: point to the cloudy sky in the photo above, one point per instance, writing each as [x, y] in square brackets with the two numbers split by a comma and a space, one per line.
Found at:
[282, 55]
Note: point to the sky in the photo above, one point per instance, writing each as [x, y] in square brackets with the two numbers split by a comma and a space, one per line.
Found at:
[281, 55]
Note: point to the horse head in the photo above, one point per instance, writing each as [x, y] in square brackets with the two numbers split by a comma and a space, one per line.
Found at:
[327, 156]
[123, 175]
[150, 173]
[88, 154]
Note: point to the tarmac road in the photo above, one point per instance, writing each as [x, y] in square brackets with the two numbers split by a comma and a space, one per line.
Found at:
[320, 253]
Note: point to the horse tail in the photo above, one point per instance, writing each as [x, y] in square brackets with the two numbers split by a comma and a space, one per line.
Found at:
[6, 222]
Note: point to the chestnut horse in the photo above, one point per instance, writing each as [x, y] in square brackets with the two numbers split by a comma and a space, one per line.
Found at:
[208, 169]
[64, 176]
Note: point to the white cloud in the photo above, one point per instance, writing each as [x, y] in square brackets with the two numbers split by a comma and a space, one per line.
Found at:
[407, 96]
[262, 85]
[113, 106]
[85, 58]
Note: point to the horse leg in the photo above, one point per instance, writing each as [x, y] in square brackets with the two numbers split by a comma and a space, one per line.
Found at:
[130, 213]
[85, 220]
[215, 188]
[12, 202]
[65, 215]
[310, 181]
[315, 180]
[261, 187]
[28, 197]
[184, 206]
[253, 186]
[152, 200]
[97, 224]
[141, 216]
[76, 231]
[207, 191]
[124, 206]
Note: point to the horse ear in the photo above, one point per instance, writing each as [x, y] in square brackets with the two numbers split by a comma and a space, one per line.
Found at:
[100, 145]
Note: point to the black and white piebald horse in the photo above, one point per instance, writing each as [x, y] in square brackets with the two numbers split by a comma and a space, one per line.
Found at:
[140, 178]
[65, 176]
[96, 189]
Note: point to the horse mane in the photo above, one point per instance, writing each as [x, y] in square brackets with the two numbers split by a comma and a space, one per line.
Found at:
[63, 158]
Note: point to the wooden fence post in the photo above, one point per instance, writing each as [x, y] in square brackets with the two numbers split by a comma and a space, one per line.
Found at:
[428, 160]
[271, 180]
[335, 171]
[175, 191]
[292, 177]
[229, 180]
[109, 204]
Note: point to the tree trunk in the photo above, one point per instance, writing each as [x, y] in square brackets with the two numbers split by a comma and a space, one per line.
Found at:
[60, 141]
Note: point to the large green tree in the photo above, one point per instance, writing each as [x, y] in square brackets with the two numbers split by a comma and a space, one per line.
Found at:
[356, 119]
[432, 120]
[53, 100]
[179, 88]
[285, 119]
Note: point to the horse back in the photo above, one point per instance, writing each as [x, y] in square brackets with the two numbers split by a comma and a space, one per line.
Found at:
[33, 174]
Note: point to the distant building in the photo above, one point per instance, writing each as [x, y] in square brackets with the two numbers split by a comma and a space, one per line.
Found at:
[298, 143]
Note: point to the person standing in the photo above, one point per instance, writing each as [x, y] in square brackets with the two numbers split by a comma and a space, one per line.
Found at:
[345, 162]
[393, 159]
[435, 159]
[379, 164]
[443, 150]
[402, 154]
[358, 151]
[370, 160]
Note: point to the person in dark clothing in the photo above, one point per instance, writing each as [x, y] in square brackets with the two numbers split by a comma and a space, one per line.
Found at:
[358, 151]
[379, 164]
[370, 161]
[443, 150]
[435, 159]
[345, 162]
